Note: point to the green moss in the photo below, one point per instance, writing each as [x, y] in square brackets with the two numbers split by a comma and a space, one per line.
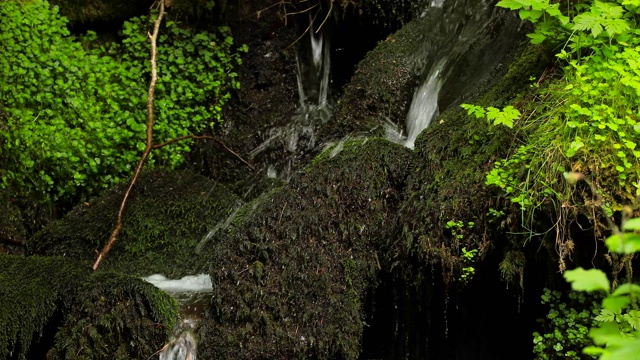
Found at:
[290, 280]
[115, 317]
[381, 87]
[61, 308]
[447, 177]
[165, 225]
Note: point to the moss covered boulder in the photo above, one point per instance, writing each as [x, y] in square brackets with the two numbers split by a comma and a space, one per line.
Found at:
[50, 306]
[446, 205]
[291, 277]
[465, 40]
[166, 224]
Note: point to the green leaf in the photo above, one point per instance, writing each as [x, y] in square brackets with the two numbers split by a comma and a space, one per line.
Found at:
[616, 303]
[587, 280]
[627, 289]
[510, 4]
[537, 38]
[632, 224]
[624, 243]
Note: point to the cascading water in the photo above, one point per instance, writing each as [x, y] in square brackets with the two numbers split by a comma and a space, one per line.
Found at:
[450, 28]
[193, 293]
[424, 106]
[313, 67]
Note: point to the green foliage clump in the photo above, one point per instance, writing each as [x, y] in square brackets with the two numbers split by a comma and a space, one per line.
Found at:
[76, 111]
[617, 336]
[584, 120]
[566, 326]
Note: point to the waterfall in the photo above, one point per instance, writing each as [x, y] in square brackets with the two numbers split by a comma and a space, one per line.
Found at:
[193, 293]
[290, 142]
[313, 76]
[449, 29]
[424, 106]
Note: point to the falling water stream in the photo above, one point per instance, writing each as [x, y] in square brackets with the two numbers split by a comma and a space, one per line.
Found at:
[193, 294]
[313, 68]
[449, 30]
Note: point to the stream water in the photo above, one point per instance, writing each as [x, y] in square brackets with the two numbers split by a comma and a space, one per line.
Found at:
[313, 69]
[449, 29]
[193, 293]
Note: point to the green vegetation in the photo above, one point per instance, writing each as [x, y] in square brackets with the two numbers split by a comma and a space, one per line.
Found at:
[76, 110]
[617, 337]
[57, 307]
[566, 325]
[584, 119]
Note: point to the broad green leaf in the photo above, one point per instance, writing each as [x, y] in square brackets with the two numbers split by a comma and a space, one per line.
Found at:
[626, 289]
[624, 243]
[607, 333]
[587, 280]
[510, 4]
[632, 224]
[537, 38]
[616, 303]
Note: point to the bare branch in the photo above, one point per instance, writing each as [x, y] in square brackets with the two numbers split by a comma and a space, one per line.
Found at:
[6, 238]
[205, 137]
[149, 146]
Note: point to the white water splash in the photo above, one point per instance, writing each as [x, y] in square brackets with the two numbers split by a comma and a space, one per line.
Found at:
[313, 76]
[181, 347]
[189, 283]
[424, 106]
[193, 293]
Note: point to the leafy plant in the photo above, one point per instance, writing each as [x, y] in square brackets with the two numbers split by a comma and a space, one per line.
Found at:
[467, 256]
[504, 117]
[584, 120]
[76, 114]
[566, 325]
[618, 334]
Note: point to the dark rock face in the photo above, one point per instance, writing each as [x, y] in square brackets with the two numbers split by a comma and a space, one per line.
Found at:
[285, 276]
[85, 11]
[291, 277]
[165, 225]
[381, 90]
[53, 307]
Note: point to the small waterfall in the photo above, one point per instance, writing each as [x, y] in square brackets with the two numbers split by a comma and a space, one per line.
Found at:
[193, 293]
[424, 106]
[449, 29]
[313, 76]
[290, 142]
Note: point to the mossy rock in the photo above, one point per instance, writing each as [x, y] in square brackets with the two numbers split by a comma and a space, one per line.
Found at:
[12, 231]
[291, 276]
[165, 225]
[85, 11]
[382, 88]
[448, 173]
[62, 309]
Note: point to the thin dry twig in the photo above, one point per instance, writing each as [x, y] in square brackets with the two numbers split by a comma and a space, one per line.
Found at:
[6, 238]
[149, 146]
[205, 137]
